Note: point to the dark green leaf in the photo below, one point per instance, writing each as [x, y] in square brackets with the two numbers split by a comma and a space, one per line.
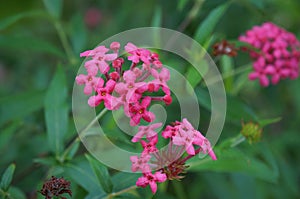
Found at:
[237, 110]
[54, 7]
[6, 22]
[7, 134]
[16, 193]
[102, 173]
[205, 29]
[7, 177]
[56, 111]
[20, 105]
[122, 180]
[266, 122]
[78, 33]
[227, 69]
[181, 4]
[81, 172]
[157, 16]
[233, 160]
[29, 44]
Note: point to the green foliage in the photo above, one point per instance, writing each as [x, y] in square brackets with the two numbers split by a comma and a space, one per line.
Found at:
[36, 129]
[7, 177]
[56, 111]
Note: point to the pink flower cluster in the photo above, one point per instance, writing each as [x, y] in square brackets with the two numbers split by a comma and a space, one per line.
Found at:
[129, 85]
[108, 81]
[279, 53]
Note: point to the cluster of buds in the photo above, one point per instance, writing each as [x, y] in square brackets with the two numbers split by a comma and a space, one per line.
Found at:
[55, 187]
[134, 88]
[225, 48]
[279, 53]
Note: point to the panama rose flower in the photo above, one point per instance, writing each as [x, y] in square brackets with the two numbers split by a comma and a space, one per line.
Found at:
[279, 53]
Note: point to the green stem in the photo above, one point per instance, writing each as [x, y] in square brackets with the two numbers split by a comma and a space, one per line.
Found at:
[64, 40]
[77, 139]
[112, 195]
[237, 140]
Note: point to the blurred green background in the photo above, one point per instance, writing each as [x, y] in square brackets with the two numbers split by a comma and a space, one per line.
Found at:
[37, 36]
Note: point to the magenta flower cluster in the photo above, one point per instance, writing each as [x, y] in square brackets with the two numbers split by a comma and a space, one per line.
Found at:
[278, 56]
[135, 88]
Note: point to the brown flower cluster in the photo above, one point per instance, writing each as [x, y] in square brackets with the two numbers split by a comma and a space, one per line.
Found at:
[55, 187]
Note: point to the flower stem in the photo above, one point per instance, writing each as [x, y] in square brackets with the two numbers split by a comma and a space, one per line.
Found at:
[63, 38]
[112, 195]
[77, 138]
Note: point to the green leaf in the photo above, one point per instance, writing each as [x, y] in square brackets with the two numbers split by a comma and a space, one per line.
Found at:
[102, 173]
[78, 33]
[7, 177]
[205, 29]
[81, 172]
[227, 69]
[20, 105]
[266, 122]
[235, 161]
[54, 7]
[17, 193]
[35, 44]
[181, 4]
[122, 180]
[7, 134]
[56, 111]
[6, 22]
[236, 110]
[157, 16]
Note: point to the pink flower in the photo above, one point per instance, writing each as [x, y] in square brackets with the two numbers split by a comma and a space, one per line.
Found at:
[140, 163]
[115, 46]
[150, 147]
[186, 139]
[148, 131]
[99, 58]
[90, 82]
[130, 87]
[161, 79]
[279, 54]
[137, 54]
[151, 179]
[92, 17]
[139, 110]
[104, 94]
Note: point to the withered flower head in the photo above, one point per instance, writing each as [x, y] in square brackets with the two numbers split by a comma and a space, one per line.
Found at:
[56, 187]
[224, 48]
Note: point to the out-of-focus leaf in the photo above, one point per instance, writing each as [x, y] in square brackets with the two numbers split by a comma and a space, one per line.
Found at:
[54, 7]
[47, 161]
[71, 153]
[29, 44]
[205, 29]
[102, 174]
[7, 177]
[20, 105]
[78, 33]
[81, 172]
[227, 68]
[7, 133]
[16, 193]
[266, 122]
[237, 110]
[124, 180]
[181, 4]
[6, 22]
[157, 16]
[233, 160]
[56, 111]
